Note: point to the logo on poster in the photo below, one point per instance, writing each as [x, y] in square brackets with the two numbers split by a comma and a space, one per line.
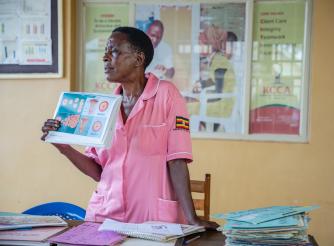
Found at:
[276, 90]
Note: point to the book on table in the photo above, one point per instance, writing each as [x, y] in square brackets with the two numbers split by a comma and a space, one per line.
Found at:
[22, 229]
[151, 230]
[8, 222]
[87, 234]
[130, 241]
[36, 236]
[86, 119]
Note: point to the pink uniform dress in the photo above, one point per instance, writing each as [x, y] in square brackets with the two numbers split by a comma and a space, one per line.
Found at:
[135, 184]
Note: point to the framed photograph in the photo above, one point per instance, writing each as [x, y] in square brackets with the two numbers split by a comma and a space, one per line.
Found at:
[31, 39]
[202, 48]
[241, 65]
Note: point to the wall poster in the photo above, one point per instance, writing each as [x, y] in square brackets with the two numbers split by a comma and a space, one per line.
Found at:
[201, 48]
[277, 67]
[241, 65]
[30, 38]
[99, 20]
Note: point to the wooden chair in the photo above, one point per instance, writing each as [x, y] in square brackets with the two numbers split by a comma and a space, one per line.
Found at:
[203, 187]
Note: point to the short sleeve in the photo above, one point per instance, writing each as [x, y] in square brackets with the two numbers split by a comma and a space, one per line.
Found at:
[91, 152]
[179, 139]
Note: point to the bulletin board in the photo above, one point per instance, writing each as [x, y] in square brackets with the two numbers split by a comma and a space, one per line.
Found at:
[34, 49]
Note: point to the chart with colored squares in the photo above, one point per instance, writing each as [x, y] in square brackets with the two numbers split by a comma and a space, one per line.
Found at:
[82, 114]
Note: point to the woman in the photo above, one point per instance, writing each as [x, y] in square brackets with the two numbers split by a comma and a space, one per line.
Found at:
[143, 175]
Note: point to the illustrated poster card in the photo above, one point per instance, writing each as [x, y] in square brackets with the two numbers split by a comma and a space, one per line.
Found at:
[86, 119]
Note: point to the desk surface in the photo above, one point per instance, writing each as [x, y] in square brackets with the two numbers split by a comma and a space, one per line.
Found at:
[216, 238]
[212, 238]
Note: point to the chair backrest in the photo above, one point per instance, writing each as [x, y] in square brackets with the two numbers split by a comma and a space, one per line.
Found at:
[202, 205]
[64, 210]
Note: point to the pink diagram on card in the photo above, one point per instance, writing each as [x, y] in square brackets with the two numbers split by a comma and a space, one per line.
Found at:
[97, 126]
[103, 106]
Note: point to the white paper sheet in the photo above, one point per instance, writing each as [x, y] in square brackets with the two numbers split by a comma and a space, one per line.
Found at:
[156, 227]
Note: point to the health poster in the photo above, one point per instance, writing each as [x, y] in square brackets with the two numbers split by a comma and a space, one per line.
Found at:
[100, 20]
[277, 67]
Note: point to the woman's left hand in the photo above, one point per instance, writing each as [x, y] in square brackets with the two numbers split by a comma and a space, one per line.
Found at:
[209, 225]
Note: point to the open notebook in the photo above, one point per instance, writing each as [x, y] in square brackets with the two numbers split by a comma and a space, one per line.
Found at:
[153, 230]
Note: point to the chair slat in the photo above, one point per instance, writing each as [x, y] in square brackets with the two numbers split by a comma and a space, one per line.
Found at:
[199, 204]
[197, 186]
[203, 187]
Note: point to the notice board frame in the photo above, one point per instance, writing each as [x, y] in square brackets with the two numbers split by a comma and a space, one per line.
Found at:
[55, 70]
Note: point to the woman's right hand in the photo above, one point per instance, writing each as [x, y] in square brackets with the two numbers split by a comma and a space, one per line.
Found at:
[84, 163]
[49, 125]
[53, 125]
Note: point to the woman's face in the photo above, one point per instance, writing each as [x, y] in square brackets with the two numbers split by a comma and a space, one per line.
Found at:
[119, 58]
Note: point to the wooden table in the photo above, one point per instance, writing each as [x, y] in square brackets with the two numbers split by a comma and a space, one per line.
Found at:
[207, 238]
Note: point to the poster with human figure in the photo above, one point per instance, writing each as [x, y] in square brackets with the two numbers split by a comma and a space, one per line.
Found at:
[219, 69]
[167, 25]
[162, 63]
[199, 47]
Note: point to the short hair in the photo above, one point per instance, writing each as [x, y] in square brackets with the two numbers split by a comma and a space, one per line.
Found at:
[157, 23]
[232, 37]
[139, 41]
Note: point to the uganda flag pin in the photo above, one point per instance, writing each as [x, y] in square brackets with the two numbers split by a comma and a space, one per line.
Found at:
[182, 123]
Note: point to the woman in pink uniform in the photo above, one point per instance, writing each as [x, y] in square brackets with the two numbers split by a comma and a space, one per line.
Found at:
[143, 176]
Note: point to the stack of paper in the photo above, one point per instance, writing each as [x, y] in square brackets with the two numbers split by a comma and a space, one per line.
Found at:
[8, 222]
[157, 231]
[278, 225]
[31, 229]
[32, 236]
